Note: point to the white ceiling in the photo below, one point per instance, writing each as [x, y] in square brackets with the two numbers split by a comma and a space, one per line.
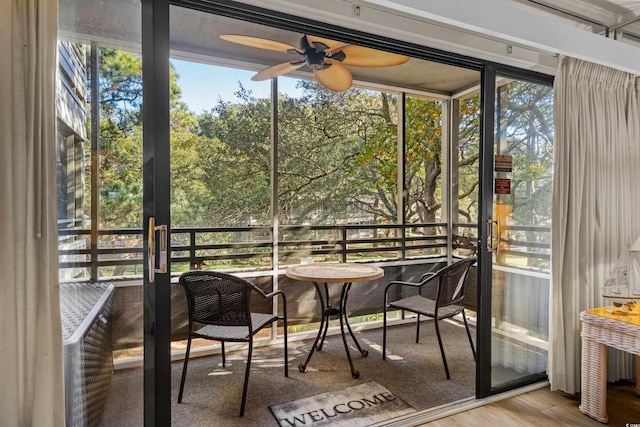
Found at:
[616, 19]
[195, 35]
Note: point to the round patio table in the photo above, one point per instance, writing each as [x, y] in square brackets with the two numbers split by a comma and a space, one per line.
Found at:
[345, 273]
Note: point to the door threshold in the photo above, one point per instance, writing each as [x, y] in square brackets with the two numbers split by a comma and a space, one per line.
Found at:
[453, 408]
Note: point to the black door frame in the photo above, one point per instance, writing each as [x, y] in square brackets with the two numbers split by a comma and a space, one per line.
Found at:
[485, 213]
[485, 262]
[156, 177]
[156, 204]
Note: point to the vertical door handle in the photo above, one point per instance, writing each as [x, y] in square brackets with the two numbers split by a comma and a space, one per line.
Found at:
[151, 247]
[492, 242]
[164, 247]
[498, 233]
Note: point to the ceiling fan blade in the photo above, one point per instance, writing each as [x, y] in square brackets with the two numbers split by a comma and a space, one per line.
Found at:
[277, 70]
[365, 57]
[336, 77]
[331, 44]
[259, 43]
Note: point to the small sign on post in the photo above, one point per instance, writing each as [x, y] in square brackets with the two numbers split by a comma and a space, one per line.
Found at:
[503, 163]
[503, 186]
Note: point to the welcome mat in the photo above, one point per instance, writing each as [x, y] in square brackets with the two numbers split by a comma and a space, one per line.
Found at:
[356, 406]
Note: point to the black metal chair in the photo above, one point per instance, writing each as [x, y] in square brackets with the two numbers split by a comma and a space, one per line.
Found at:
[221, 302]
[445, 302]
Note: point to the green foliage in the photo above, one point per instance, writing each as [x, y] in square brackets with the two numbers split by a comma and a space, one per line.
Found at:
[233, 163]
[526, 132]
[423, 165]
[120, 88]
[337, 154]
[468, 156]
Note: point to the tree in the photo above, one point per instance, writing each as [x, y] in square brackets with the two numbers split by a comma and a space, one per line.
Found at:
[468, 156]
[525, 119]
[337, 155]
[235, 155]
[120, 110]
[526, 127]
[423, 165]
[327, 172]
[321, 136]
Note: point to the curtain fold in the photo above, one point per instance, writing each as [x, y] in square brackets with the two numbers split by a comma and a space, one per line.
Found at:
[31, 372]
[596, 203]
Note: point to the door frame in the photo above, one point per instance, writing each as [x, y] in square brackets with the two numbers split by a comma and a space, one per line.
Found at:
[156, 204]
[156, 177]
[485, 212]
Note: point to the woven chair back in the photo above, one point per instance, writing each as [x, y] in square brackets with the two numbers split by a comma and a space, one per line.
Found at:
[217, 298]
[452, 282]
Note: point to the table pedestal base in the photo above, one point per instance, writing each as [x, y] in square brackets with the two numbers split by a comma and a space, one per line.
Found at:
[327, 312]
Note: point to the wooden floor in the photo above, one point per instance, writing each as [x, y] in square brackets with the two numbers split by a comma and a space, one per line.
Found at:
[545, 408]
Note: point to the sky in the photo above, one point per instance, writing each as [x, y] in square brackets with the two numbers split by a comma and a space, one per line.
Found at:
[203, 84]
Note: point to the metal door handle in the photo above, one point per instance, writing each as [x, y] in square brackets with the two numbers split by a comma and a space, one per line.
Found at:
[164, 247]
[151, 247]
[490, 241]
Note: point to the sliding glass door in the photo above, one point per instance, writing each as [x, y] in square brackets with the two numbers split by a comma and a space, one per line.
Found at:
[518, 177]
[239, 153]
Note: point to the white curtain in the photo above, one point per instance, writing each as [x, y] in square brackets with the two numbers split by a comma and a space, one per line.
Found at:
[31, 371]
[596, 203]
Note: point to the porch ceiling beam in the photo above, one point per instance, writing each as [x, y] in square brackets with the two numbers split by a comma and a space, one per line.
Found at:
[470, 27]
[506, 21]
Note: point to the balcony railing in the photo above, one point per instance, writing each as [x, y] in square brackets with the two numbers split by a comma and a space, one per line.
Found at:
[118, 252]
[254, 246]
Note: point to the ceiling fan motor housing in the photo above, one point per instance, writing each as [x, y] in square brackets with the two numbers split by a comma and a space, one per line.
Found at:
[314, 60]
[315, 55]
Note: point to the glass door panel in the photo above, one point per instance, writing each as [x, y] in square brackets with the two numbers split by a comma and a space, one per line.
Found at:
[520, 232]
[100, 201]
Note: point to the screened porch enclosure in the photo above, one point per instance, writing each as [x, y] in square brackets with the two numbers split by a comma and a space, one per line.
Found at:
[269, 174]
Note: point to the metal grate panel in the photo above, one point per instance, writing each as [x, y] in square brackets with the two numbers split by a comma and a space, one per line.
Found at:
[88, 360]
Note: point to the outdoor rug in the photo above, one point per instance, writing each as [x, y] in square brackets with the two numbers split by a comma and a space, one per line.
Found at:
[356, 406]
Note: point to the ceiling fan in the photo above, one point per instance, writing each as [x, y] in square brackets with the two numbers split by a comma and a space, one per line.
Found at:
[327, 58]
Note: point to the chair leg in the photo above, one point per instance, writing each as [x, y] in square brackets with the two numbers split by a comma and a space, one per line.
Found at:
[418, 329]
[184, 369]
[246, 378]
[384, 333]
[466, 325]
[286, 351]
[444, 359]
[224, 361]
